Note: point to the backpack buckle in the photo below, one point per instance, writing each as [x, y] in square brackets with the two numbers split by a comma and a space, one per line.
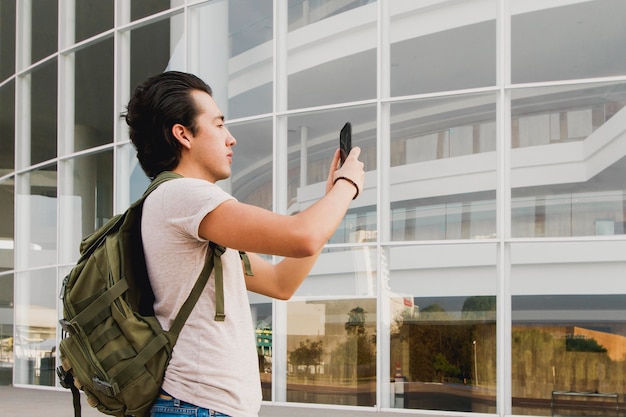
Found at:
[109, 389]
[68, 326]
[66, 379]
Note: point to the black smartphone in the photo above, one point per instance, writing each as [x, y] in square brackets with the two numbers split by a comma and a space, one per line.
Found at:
[345, 141]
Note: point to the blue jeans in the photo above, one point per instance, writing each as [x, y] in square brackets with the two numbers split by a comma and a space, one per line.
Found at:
[173, 407]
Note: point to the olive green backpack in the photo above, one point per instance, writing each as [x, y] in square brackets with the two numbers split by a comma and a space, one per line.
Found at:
[114, 349]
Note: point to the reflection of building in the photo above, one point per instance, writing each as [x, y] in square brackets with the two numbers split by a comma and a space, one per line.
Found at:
[493, 137]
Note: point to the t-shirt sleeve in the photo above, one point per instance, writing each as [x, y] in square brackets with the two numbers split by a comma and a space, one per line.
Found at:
[191, 200]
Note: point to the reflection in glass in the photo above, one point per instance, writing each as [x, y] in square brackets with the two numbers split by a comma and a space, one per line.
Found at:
[442, 47]
[568, 161]
[156, 48]
[443, 174]
[251, 179]
[569, 354]
[7, 128]
[331, 352]
[36, 218]
[42, 143]
[574, 40]
[248, 72]
[6, 329]
[7, 39]
[44, 25]
[442, 307]
[313, 138]
[35, 327]
[7, 225]
[93, 102]
[332, 46]
[87, 199]
[141, 8]
[93, 17]
[263, 333]
[443, 353]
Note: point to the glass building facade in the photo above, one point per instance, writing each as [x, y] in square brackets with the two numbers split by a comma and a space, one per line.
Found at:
[482, 269]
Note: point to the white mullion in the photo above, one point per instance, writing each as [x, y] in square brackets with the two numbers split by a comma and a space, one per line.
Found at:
[279, 181]
[383, 343]
[121, 82]
[503, 191]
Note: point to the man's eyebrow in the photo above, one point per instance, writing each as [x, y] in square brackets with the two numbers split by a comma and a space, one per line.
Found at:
[220, 117]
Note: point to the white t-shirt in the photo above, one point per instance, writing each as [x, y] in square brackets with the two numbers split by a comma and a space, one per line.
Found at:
[214, 364]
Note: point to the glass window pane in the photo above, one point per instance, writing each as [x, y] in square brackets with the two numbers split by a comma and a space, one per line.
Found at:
[261, 309]
[313, 139]
[93, 101]
[332, 46]
[244, 71]
[34, 339]
[143, 8]
[443, 168]
[6, 329]
[36, 217]
[567, 161]
[331, 351]
[131, 181]
[443, 46]
[41, 88]
[93, 17]
[7, 225]
[87, 199]
[7, 128]
[443, 327]
[44, 29]
[573, 40]
[569, 327]
[7, 39]
[253, 163]
[156, 48]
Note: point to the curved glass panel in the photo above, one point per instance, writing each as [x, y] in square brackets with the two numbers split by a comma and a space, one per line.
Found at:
[7, 39]
[42, 29]
[40, 116]
[36, 218]
[7, 128]
[155, 48]
[442, 45]
[86, 190]
[313, 138]
[443, 168]
[331, 56]
[443, 327]
[142, 8]
[93, 101]
[576, 39]
[245, 57]
[568, 328]
[567, 160]
[253, 163]
[93, 17]
[34, 340]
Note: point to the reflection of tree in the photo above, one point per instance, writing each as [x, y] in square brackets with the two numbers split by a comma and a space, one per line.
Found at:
[439, 347]
[307, 354]
[356, 357]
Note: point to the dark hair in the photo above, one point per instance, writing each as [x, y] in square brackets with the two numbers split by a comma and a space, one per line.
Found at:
[156, 105]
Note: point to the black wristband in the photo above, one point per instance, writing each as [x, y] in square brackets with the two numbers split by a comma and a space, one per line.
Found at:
[351, 182]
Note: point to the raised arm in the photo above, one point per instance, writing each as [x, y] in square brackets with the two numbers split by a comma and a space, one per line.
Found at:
[299, 237]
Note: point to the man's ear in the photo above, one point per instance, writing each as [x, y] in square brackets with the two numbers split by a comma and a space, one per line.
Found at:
[181, 133]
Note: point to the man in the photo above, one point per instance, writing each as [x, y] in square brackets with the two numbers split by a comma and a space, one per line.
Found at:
[176, 125]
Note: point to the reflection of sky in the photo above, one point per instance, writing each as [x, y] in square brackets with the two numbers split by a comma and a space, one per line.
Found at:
[570, 302]
[138, 183]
